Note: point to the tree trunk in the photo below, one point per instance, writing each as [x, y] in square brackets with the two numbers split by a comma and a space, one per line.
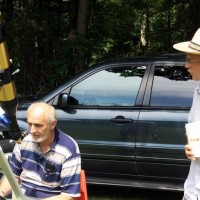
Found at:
[82, 24]
[77, 35]
[169, 42]
[194, 15]
[82, 20]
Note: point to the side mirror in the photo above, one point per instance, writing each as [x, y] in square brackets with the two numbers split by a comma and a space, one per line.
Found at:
[64, 100]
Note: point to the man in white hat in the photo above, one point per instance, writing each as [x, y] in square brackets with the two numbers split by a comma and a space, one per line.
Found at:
[192, 50]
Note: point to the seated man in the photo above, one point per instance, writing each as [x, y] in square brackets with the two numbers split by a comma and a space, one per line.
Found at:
[47, 163]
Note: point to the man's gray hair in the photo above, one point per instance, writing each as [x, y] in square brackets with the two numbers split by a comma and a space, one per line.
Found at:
[48, 109]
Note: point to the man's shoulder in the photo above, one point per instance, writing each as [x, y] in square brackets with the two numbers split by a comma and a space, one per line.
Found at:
[66, 141]
[61, 136]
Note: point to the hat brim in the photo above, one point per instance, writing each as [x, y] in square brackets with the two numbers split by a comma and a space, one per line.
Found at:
[184, 47]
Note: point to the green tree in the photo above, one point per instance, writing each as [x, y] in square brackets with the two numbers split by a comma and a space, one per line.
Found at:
[51, 41]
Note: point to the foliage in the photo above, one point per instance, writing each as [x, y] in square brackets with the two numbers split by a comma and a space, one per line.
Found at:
[45, 43]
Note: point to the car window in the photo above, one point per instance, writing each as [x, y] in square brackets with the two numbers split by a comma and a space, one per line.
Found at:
[172, 86]
[116, 86]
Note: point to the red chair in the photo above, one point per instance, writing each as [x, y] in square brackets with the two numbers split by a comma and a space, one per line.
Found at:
[83, 187]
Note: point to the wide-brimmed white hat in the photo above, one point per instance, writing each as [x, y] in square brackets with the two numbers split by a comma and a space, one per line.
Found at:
[191, 47]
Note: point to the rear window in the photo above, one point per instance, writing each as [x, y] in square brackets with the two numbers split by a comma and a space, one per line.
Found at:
[172, 87]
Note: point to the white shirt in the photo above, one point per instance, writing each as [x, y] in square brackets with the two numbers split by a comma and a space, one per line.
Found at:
[192, 183]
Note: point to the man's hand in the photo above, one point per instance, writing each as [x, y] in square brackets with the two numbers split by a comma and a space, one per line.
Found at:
[188, 152]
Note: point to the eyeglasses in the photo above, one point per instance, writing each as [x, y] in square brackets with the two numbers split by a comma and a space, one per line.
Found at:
[190, 62]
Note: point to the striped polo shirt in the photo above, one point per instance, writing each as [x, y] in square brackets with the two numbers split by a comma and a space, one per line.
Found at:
[52, 173]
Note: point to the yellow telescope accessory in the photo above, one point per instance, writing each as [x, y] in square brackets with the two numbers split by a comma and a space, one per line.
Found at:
[7, 91]
[4, 61]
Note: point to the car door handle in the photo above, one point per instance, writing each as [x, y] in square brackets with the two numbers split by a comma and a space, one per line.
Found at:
[121, 120]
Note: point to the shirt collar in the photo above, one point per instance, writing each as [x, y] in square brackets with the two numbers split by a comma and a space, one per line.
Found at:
[55, 139]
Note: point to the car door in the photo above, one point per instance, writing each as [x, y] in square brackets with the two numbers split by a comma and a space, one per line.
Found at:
[102, 115]
[161, 126]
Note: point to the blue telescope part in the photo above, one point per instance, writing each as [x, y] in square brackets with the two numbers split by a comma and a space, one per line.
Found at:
[4, 120]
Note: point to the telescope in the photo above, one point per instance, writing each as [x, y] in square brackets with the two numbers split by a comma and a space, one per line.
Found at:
[8, 97]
